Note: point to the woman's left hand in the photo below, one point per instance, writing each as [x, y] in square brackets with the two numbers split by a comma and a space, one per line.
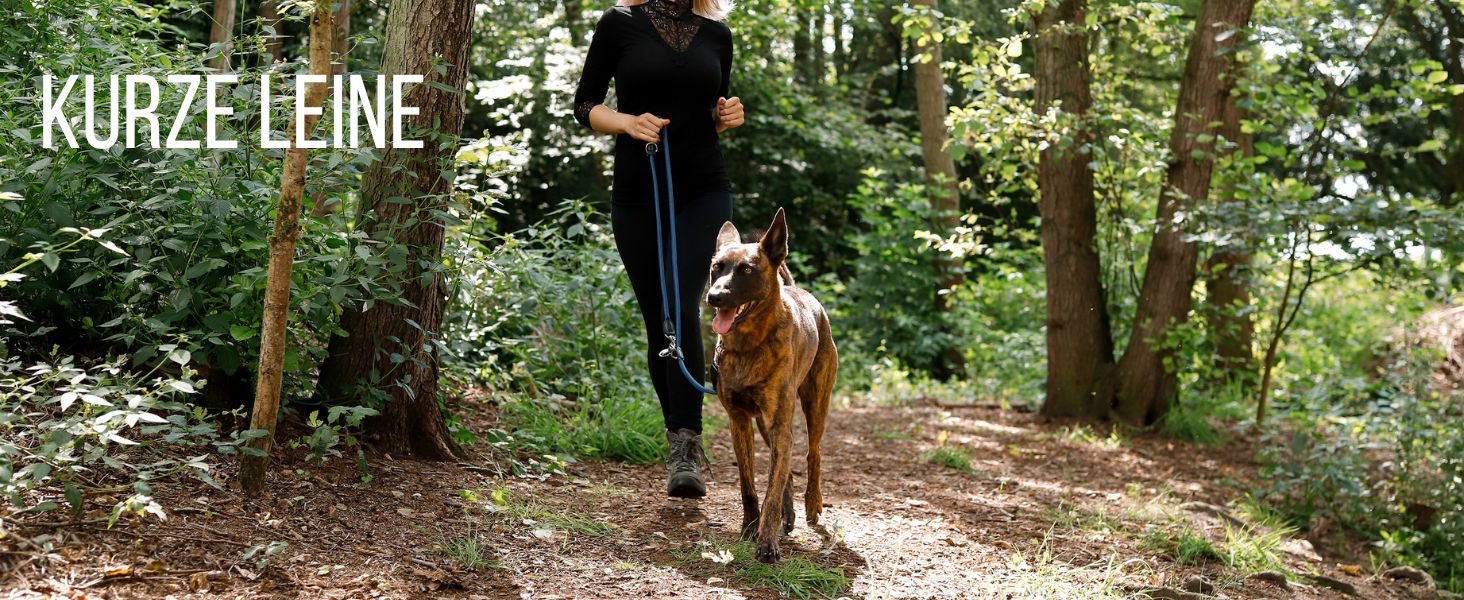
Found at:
[729, 113]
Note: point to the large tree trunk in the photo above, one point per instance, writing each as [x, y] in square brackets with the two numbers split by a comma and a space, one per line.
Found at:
[940, 170]
[1079, 342]
[281, 264]
[1228, 287]
[1145, 385]
[222, 32]
[412, 423]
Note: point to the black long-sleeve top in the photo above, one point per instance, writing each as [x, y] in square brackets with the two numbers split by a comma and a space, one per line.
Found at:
[671, 62]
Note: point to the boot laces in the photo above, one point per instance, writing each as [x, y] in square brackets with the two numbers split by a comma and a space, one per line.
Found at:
[687, 453]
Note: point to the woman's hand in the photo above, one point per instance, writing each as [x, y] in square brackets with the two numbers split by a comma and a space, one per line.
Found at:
[646, 128]
[729, 113]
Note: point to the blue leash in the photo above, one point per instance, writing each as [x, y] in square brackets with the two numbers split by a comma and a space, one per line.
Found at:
[672, 328]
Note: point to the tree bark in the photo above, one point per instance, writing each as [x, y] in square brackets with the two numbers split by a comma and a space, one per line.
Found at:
[222, 32]
[1454, 27]
[574, 21]
[281, 263]
[803, 48]
[940, 169]
[1079, 342]
[840, 60]
[342, 38]
[341, 47]
[269, 15]
[412, 422]
[1145, 384]
[1228, 288]
[820, 56]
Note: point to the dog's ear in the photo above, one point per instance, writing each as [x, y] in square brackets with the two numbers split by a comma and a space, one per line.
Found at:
[728, 235]
[774, 241]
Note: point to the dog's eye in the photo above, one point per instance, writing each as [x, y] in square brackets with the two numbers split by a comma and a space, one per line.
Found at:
[716, 266]
[746, 269]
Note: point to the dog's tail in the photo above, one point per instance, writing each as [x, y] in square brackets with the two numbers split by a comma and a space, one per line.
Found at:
[785, 275]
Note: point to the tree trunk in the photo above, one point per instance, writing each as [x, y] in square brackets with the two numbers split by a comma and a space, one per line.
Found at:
[839, 59]
[222, 33]
[1228, 288]
[574, 21]
[281, 263]
[269, 15]
[341, 46]
[940, 170]
[1079, 342]
[803, 49]
[820, 57]
[1146, 385]
[1454, 26]
[390, 347]
[342, 38]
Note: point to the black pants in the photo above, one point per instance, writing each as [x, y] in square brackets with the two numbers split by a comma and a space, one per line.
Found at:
[698, 218]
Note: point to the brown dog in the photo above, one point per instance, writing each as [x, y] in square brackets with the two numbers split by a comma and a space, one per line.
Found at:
[774, 351]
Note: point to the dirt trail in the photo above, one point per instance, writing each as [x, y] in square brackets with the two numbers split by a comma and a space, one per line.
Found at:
[1047, 511]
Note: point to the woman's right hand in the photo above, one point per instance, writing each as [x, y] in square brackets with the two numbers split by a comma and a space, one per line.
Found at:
[646, 128]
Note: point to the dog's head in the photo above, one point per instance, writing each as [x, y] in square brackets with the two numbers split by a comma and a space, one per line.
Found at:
[745, 274]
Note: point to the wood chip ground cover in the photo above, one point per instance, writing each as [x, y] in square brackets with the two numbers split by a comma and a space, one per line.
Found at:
[1044, 512]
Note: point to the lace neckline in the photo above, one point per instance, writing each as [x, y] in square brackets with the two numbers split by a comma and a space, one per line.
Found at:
[677, 9]
[674, 20]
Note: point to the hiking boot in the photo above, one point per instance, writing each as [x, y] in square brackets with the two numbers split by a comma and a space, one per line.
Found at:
[683, 464]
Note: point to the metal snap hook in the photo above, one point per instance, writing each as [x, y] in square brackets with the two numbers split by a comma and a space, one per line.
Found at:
[652, 148]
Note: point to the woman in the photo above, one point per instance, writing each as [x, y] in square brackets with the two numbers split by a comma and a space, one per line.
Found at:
[670, 60]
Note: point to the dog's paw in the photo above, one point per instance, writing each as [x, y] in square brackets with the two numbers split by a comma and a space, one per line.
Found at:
[768, 552]
[789, 519]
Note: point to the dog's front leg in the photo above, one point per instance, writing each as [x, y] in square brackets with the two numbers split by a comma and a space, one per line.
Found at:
[780, 428]
[745, 447]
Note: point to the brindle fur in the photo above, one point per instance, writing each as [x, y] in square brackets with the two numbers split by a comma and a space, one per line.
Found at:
[778, 355]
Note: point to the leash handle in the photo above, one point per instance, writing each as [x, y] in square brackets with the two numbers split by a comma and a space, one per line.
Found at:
[671, 325]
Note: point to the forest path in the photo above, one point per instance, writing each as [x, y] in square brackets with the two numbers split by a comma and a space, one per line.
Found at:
[1045, 511]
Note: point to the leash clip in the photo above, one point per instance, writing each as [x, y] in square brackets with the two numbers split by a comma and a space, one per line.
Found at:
[652, 148]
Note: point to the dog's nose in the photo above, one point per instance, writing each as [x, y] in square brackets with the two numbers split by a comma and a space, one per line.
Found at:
[716, 296]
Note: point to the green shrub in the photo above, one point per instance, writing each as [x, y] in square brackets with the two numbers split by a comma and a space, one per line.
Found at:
[71, 428]
[1388, 470]
[546, 319]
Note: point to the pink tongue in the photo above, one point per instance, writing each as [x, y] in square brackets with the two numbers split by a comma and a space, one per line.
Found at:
[722, 323]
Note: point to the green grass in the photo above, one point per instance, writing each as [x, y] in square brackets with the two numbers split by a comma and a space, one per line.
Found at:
[794, 576]
[891, 433]
[628, 430]
[1184, 547]
[1084, 434]
[468, 552]
[1190, 426]
[1072, 518]
[1251, 549]
[1038, 574]
[503, 501]
[951, 457]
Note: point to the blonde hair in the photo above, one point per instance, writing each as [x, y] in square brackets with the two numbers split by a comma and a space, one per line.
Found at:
[716, 10]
